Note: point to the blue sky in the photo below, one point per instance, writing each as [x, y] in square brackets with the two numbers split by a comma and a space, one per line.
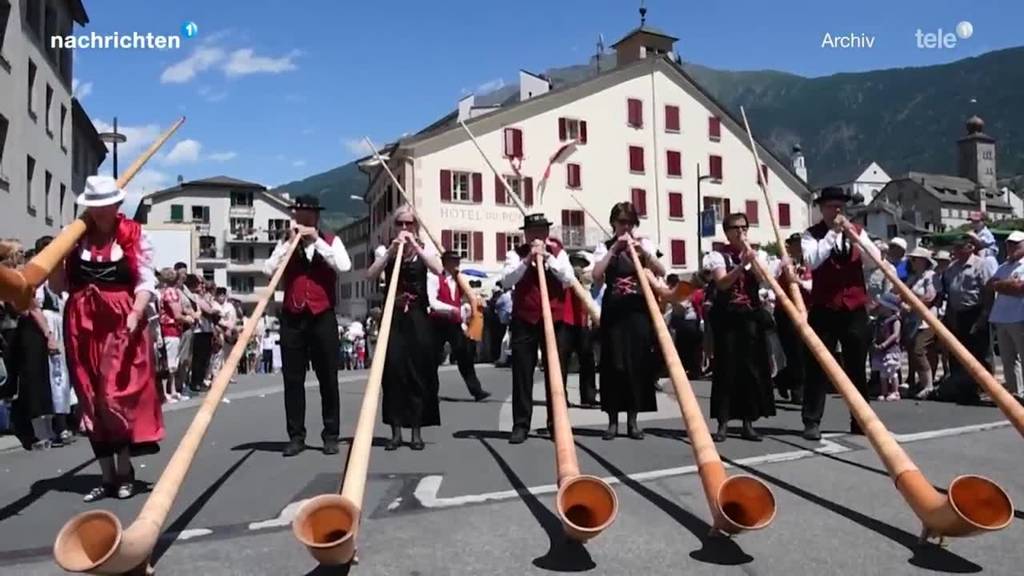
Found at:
[277, 90]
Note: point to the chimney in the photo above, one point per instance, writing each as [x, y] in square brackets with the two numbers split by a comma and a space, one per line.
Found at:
[799, 164]
[977, 155]
[643, 42]
[465, 105]
[531, 85]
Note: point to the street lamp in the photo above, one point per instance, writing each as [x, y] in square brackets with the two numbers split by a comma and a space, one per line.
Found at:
[700, 212]
[114, 138]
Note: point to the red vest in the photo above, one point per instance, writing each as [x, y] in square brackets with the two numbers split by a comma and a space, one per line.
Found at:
[526, 296]
[838, 283]
[309, 285]
[445, 295]
[574, 312]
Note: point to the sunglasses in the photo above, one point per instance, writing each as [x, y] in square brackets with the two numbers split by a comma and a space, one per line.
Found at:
[405, 223]
[737, 228]
[625, 222]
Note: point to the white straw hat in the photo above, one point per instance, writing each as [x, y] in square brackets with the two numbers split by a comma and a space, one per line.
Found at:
[100, 191]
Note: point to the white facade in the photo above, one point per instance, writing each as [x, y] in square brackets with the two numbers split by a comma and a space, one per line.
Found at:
[868, 184]
[36, 197]
[606, 177]
[237, 224]
[354, 290]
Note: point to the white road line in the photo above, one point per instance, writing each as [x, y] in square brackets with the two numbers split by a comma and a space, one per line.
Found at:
[946, 432]
[283, 519]
[428, 487]
[193, 533]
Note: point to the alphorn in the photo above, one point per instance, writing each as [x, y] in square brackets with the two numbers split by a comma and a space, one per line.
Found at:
[475, 327]
[973, 504]
[592, 308]
[19, 287]
[1007, 403]
[794, 288]
[586, 504]
[329, 523]
[94, 541]
[738, 503]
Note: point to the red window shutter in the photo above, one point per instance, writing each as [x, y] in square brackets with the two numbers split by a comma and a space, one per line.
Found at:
[577, 218]
[672, 118]
[726, 207]
[446, 185]
[446, 239]
[499, 190]
[751, 211]
[640, 202]
[573, 175]
[679, 252]
[509, 143]
[583, 132]
[528, 191]
[675, 205]
[675, 163]
[562, 130]
[566, 217]
[478, 247]
[784, 214]
[764, 174]
[714, 128]
[517, 143]
[478, 187]
[636, 159]
[716, 167]
[499, 244]
[636, 113]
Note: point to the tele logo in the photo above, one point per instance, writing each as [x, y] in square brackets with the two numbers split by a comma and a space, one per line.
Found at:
[940, 39]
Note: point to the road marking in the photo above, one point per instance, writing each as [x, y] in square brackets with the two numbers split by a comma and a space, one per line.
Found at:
[283, 519]
[946, 432]
[428, 487]
[193, 533]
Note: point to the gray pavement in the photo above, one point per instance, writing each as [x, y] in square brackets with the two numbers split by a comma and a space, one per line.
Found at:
[473, 504]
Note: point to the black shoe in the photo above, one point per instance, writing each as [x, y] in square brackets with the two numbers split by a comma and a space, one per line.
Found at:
[546, 432]
[330, 447]
[855, 428]
[518, 436]
[634, 432]
[417, 445]
[293, 448]
[611, 432]
[783, 394]
[797, 397]
[589, 404]
[392, 444]
[750, 434]
[811, 432]
[482, 395]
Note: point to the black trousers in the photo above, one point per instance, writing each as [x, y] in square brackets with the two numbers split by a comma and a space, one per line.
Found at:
[688, 340]
[305, 339]
[523, 345]
[268, 361]
[849, 328]
[463, 352]
[977, 344]
[579, 340]
[793, 377]
[202, 349]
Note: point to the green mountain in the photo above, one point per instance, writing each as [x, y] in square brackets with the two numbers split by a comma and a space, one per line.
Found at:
[906, 118]
[335, 189]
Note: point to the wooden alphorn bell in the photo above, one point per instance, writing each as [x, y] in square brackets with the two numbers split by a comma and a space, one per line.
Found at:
[973, 504]
[19, 287]
[738, 503]
[94, 541]
[328, 524]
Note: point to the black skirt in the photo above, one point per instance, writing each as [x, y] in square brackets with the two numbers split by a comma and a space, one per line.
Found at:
[410, 383]
[28, 366]
[629, 362]
[741, 388]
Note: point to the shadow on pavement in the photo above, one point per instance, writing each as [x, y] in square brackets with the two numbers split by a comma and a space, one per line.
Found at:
[926, 555]
[322, 570]
[714, 550]
[564, 555]
[188, 514]
[66, 482]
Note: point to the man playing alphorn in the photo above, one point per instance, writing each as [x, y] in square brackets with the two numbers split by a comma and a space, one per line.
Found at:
[445, 297]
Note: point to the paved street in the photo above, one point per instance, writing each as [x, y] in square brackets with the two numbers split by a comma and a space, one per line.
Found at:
[473, 504]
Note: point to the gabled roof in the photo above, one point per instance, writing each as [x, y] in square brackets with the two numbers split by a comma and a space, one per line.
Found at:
[217, 182]
[78, 12]
[446, 131]
[849, 175]
[82, 121]
[646, 29]
[903, 225]
[947, 189]
[224, 181]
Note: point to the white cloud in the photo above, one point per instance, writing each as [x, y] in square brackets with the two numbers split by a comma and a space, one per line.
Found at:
[223, 156]
[490, 86]
[299, 163]
[242, 63]
[308, 131]
[201, 59]
[355, 146]
[145, 182]
[80, 89]
[138, 138]
[184, 152]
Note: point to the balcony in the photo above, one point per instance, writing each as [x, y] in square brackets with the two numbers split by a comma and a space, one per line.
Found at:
[245, 265]
[257, 236]
[241, 211]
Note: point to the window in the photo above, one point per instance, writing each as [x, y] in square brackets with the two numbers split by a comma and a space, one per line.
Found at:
[636, 159]
[63, 125]
[461, 186]
[47, 184]
[635, 113]
[764, 174]
[573, 232]
[784, 219]
[241, 198]
[892, 231]
[49, 111]
[513, 143]
[572, 129]
[638, 196]
[679, 252]
[714, 128]
[346, 290]
[671, 118]
[63, 196]
[3, 143]
[32, 16]
[177, 212]
[469, 245]
[501, 197]
[506, 242]
[5, 14]
[207, 247]
[675, 205]
[207, 274]
[716, 167]
[359, 261]
[674, 159]
[276, 228]
[239, 226]
[50, 30]
[30, 168]
[752, 212]
[721, 206]
[201, 214]
[573, 176]
[247, 285]
[243, 254]
[31, 86]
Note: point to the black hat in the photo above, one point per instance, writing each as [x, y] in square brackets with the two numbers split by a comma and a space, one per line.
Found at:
[307, 202]
[451, 255]
[832, 193]
[794, 238]
[534, 221]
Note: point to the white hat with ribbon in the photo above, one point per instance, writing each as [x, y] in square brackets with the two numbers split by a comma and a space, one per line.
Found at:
[100, 191]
